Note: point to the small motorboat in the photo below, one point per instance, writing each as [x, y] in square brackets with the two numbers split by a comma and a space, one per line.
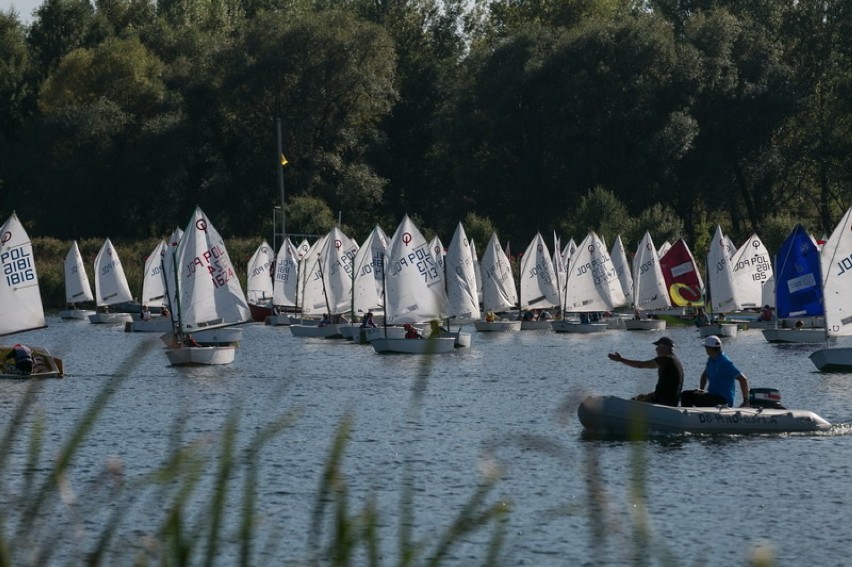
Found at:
[610, 414]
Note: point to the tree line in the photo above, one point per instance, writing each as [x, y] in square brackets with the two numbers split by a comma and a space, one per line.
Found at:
[118, 117]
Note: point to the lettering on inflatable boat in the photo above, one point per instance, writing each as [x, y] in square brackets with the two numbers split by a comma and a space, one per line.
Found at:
[738, 417]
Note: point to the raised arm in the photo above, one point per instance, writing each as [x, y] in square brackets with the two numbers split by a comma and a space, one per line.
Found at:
[633, 363]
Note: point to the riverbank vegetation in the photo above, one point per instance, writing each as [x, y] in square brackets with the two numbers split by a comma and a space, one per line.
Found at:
[120, 116]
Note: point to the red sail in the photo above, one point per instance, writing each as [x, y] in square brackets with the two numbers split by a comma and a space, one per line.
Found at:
[681, 275]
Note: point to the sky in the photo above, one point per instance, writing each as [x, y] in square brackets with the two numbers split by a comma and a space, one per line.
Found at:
[24, 8]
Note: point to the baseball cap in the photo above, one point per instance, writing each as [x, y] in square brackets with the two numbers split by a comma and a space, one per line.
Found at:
[664, 341]
[713, 341]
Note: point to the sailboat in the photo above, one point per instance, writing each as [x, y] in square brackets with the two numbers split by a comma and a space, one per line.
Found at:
[207, 294]
[592, 286]
[836, 265]
[649, 287]
[681, 276]
[285, 284]
[538, 284]
[498, 288]
[460, 281]
[21, 309]
[368, 287]
[720, 285]
[77, 287]
[414, 292]
[798, 289]
[111, 287]
[329, 285]
[259, 285]
[153, 295]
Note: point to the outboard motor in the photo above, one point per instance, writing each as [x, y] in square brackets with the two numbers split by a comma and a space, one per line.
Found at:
[765, 398]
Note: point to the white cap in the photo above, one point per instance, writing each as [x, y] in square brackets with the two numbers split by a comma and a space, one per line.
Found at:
[713, 341]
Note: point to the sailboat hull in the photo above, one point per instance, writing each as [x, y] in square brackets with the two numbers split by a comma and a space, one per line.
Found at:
[76, 314]
[441, 345]
[728, 330]
[569, 327]
[813, 336]
[833, 359]
[497, 326]
[645, 324]
[316, 331]
[110, 318]
[201, 356]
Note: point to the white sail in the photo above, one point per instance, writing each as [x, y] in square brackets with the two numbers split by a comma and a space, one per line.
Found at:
[462, 290]
[592, 283]
[111, 285]
[498, 284]
[752, 268]
[20, 300]
[663, 249]
[286, 280]
[312, 298]
[302, 249]
[77, 287]
[836, 266]
[259, 285]
[538, 282]
[337, 260]
[622, 269]
[437, 249]
[153, 280]
[723, 294]
[649, 287]
[368, 288]
[413, 292]
[209, 291]
[477, 270]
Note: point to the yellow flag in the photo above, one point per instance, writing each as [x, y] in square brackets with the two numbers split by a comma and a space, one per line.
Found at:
[283, 160]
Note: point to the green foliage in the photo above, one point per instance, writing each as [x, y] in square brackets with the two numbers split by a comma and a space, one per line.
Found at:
[599, 211]
[478, 229]
[512, 110]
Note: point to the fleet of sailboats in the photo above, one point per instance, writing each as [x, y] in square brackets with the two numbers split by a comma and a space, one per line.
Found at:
[407, 280]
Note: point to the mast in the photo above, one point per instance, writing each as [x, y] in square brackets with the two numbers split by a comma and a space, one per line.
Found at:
[281, 163]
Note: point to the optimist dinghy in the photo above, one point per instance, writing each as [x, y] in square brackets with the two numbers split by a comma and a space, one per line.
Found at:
[610, 414]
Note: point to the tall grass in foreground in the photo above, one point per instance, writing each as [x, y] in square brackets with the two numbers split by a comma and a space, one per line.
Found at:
[190, 497]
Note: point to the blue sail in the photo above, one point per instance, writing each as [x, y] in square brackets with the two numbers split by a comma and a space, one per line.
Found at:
[798, 282]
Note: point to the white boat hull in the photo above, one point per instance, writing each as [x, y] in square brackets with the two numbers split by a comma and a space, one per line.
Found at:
[45, 365]
[838, 359]
[462, 339]
[279, 320]
[201, 355]
[544, 325]
[497, 326]
[440, 345]
[645, 324]
[222, 336]
[609, 414]
[570, 327]
[76, 314]
[110, 318]
[728, 330]
[315, 331]
[374, 333]
[155, 325]
[814, 336]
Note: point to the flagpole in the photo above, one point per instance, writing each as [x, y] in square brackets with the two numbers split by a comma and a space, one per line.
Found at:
[281, 162]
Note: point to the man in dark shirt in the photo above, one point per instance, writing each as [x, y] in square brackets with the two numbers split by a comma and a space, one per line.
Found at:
[669, 373]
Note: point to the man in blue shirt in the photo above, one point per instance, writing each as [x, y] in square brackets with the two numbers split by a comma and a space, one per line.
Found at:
[718, 378]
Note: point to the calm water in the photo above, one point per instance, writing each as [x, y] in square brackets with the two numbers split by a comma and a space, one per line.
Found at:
[508, 401]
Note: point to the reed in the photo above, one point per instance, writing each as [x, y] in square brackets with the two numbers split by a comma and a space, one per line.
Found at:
[191, 496]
